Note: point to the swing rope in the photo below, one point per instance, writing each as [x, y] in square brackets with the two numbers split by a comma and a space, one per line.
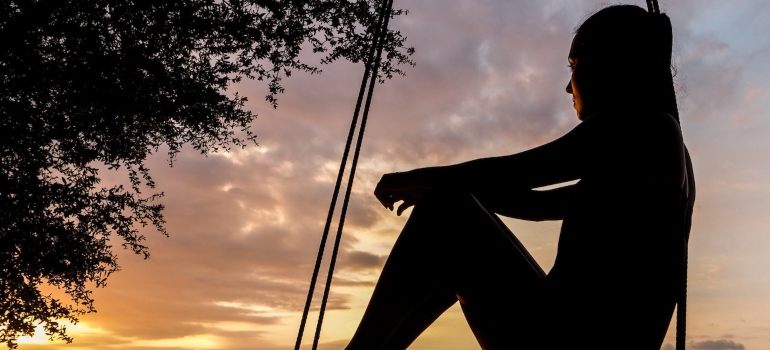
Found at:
[372, 66]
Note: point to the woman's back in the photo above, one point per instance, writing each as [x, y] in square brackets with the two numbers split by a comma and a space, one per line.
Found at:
[620, 246]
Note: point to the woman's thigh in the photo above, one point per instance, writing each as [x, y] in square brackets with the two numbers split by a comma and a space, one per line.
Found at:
[499, 285]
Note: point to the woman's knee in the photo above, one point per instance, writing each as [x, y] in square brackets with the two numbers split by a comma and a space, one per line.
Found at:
[444, 220]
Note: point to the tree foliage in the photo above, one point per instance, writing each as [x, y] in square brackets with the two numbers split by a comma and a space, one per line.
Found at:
[90, 84]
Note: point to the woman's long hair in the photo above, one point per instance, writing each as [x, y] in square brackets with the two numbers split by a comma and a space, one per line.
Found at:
[626, 52]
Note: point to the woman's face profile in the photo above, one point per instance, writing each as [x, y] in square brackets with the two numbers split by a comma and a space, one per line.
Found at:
[574, 86]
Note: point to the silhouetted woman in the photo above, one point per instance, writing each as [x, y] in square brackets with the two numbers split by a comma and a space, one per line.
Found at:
[614, 282]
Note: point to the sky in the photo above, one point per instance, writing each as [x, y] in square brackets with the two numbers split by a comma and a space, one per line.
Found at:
[489, 80]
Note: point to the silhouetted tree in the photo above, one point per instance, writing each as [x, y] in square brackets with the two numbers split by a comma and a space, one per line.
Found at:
[86, 84]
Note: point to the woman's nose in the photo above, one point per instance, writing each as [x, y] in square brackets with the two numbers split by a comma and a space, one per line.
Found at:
[569, 87]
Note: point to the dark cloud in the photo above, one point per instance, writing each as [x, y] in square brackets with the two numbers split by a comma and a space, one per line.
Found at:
[362, 260]
[721, 344]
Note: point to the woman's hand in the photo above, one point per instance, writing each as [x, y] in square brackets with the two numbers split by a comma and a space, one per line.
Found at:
[406, 187]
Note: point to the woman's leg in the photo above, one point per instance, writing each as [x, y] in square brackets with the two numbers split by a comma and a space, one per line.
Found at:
[422, 316]
[450, 248]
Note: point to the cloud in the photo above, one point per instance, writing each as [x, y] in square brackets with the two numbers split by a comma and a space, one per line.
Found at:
[721, 344]
[362, 260]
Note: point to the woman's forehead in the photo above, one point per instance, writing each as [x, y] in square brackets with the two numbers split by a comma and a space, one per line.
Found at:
[574, 47]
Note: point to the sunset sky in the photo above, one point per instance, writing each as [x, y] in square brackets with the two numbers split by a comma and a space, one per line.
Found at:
[489, 80]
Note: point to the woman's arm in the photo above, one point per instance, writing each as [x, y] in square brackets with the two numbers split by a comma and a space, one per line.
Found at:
[558, 161]
[619, 147]
[495, 178]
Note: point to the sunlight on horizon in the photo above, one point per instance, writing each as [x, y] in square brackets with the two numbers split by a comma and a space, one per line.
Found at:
[73, 330]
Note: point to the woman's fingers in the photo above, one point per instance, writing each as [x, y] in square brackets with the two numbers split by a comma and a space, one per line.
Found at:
[383, 191]
[386, 198]
[409, 198]
[395, 187]
[389, 188]
[389, 200]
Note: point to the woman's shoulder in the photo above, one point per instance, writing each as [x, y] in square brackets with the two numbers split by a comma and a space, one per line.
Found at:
[647, 131]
